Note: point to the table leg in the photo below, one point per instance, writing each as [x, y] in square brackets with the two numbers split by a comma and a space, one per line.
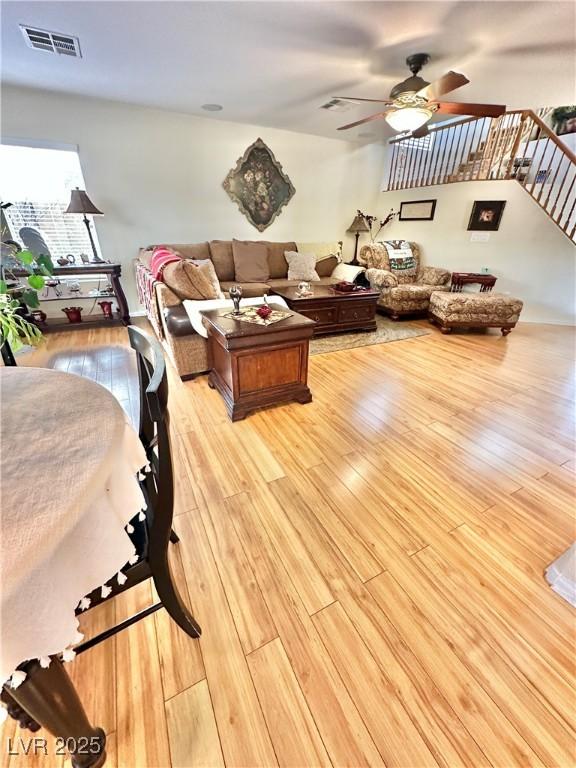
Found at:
[49, 697]
[120, 298]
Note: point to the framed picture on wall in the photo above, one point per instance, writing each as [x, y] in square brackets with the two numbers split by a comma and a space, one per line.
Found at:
[486, 215]
[419, 210]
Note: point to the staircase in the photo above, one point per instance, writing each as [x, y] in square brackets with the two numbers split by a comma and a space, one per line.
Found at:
[518, 145]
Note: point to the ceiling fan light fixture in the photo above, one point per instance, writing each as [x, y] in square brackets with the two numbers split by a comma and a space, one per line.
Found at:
[409, 118]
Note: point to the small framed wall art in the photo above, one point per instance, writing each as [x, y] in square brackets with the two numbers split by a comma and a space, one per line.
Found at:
[486, 215]
[419, 210]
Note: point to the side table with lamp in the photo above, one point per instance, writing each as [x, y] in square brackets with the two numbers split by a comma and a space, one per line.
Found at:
[80, 203]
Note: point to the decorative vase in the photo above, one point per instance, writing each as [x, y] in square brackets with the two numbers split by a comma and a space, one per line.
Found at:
[74, 314]
[106, 307]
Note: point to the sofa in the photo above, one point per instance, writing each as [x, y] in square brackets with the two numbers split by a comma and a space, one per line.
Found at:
[405, 285]
[187, 349]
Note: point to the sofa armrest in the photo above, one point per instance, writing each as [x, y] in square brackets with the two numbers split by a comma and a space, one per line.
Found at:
[433, 276]
[166, 297]
[177, 321]
[381, 278]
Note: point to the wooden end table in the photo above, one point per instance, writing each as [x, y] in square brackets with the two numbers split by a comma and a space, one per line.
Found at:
[256, 366]
[484, 280]
[332, 311]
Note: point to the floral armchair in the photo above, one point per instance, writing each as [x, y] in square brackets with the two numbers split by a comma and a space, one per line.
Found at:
[405, 286]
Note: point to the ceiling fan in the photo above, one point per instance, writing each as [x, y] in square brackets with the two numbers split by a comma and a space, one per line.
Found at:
[414, 101]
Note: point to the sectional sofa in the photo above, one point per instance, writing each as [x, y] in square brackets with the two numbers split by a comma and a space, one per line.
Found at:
[187, 349]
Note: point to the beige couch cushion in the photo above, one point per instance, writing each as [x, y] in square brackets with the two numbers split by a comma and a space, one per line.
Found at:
[195, 251]
[276, 260]
[249, 290]
[250, 262]
[321, 250]
[277, 264]
[190, 279]
[222, 258]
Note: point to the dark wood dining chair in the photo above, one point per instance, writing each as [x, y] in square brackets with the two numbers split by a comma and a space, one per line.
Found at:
[151, 537]
[47, 696]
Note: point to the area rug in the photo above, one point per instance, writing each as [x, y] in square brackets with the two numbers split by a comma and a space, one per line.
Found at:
[387, 330]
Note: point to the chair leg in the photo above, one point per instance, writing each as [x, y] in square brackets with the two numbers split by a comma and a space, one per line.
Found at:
[17, 713]
[174, 538]
[170, 597]
[50, 699]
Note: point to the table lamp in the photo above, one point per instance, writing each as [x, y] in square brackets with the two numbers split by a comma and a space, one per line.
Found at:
[81, 203]
[358, 226]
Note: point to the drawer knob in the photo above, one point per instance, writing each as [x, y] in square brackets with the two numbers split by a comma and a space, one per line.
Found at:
[355, 315]
[316, 318]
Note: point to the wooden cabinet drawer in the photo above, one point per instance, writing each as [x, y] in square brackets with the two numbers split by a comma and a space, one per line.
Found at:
[321, 315]
[355, 312]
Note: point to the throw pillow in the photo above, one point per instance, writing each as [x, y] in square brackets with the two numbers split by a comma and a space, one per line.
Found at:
[327, 265]
[190, 279]
[301, 266]
[250, 262]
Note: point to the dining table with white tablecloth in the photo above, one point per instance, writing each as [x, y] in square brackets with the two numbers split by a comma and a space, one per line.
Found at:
[69, 464]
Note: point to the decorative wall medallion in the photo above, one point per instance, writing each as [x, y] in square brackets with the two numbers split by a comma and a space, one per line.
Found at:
[258, 185]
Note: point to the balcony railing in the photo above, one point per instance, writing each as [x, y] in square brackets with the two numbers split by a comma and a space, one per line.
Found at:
[518, 145]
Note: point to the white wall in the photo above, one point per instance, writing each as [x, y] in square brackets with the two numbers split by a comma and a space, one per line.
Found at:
[158, 175]
[531, 257]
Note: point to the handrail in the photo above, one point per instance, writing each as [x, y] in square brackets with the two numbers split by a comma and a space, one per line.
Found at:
[524, 112]
[517, 145]
[551, 135]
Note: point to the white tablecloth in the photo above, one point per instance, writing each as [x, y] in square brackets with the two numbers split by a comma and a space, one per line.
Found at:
[68, 487]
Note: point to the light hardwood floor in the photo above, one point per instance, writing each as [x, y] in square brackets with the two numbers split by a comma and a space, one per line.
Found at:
[367, 569]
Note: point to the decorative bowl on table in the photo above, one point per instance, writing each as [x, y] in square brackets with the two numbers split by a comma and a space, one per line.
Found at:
[264, 311]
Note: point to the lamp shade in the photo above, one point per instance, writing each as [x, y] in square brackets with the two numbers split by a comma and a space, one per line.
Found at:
[408, 118]
[358, 225]
[81, 203]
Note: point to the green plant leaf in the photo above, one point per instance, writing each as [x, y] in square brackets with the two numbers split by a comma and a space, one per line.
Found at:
[3, 286]
[26, 257]
[30, 298]
[45, 264]
[36, 282]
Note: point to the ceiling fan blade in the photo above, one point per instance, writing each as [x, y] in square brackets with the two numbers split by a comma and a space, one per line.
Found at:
[475, 110]
[377, 116]
[354, 98]
[448, 82]
[419, 133]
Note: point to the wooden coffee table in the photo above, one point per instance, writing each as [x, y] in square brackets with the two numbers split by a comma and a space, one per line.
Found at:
[332, 311]
[255, 366]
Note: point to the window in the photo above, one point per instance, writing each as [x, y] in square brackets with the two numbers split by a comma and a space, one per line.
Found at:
[425, 143]
[38, 183]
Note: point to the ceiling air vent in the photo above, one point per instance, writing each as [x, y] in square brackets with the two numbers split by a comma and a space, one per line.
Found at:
[336, 105]
[54, 42]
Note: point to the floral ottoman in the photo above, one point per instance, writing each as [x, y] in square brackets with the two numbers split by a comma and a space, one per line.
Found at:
[474, 310]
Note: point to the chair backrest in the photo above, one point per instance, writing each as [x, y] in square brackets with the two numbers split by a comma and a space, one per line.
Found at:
[397, 256]
[154, 432]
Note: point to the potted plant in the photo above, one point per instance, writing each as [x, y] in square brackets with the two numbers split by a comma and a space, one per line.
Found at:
[18, 295]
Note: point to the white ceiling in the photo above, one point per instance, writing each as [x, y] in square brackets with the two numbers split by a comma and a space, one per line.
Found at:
[275, 63]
